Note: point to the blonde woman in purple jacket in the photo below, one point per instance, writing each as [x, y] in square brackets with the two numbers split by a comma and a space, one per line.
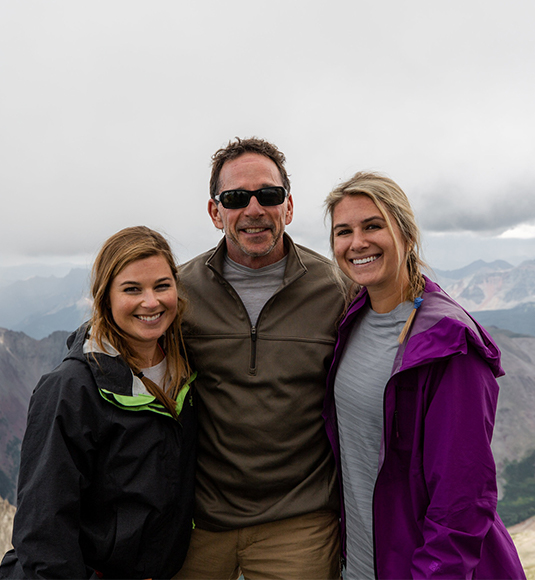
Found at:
[410, 405]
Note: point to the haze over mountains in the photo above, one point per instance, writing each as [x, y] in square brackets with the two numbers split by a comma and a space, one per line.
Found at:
[42, 304]
[56, 297]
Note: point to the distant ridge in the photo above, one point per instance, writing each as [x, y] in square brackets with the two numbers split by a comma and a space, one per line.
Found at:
[514, 432]
[22, 362]
[10, 274]
[474, 268]
[519, 320]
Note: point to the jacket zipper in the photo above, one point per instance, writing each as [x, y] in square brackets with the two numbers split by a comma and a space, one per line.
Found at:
[252, 364]
[396, 428]
[231, 290]
[396, 423]
[253, 333]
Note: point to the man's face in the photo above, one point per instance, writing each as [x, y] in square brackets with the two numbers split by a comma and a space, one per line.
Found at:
[253, 233]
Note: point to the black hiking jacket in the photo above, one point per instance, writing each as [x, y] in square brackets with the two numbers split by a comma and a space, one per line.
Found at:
[106, 479]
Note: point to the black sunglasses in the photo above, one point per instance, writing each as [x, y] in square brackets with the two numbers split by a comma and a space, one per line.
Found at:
[238, 198]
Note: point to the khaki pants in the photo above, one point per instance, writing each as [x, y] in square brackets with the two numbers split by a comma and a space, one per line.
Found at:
[304, 547]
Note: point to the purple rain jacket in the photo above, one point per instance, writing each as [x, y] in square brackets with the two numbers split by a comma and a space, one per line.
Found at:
[434, 506]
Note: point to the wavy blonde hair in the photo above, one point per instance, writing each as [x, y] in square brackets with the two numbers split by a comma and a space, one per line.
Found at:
[127, 246]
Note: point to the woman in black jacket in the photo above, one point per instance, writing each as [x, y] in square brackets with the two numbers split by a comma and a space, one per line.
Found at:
[107, 463]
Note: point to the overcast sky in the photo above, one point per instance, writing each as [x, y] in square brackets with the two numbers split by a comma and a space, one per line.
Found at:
[111, 109]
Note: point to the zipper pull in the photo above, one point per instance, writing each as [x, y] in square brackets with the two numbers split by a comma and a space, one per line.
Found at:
[396, 423]
[252, 361]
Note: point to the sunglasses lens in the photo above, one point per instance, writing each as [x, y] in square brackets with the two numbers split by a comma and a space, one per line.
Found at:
[235, 199]
[238, 198]
[271, 196]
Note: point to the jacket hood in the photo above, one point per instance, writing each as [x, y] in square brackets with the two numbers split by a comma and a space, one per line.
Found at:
[75, 343]
[444, 329]
[441, 329]
[114, 378]
[110, 371]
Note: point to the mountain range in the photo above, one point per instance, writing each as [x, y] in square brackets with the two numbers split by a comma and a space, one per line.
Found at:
[514, 431]
[496, 294]
[22, 362]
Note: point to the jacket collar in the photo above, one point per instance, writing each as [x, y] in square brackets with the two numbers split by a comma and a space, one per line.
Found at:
[295, 267]
[113, 377]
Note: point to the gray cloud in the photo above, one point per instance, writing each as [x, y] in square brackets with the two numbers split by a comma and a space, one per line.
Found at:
[490, 212]
[110, 111]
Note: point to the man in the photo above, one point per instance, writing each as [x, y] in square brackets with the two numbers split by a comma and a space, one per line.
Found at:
[261, 331]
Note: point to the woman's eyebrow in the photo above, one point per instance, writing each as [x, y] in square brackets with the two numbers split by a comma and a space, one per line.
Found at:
[134, 283]
[364, 221]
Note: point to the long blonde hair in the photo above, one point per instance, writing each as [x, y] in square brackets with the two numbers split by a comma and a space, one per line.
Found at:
[127, 246]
